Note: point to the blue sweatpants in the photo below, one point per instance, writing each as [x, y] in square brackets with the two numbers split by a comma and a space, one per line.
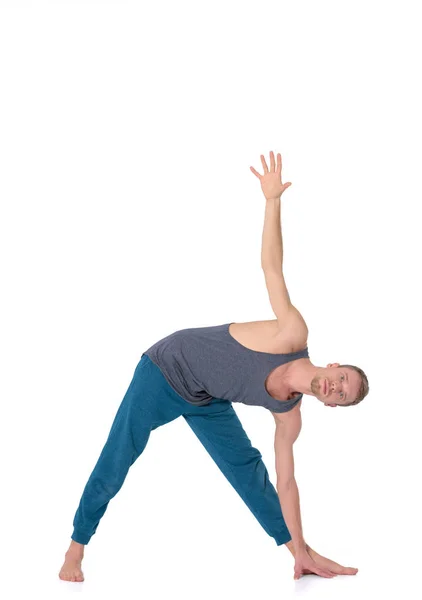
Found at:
[151, 402]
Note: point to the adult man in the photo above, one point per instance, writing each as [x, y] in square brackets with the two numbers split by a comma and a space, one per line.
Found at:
[197, 373]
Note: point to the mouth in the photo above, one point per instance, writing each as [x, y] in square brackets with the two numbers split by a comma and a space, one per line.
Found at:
[325, 387]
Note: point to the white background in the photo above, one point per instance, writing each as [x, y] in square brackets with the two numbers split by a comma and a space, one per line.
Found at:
[128, 211]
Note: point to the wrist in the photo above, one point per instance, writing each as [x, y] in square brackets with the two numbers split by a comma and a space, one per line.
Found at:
[290, 546]
[298, 549]
[301, 549]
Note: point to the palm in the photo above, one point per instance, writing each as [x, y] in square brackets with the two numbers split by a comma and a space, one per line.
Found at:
[271, 184]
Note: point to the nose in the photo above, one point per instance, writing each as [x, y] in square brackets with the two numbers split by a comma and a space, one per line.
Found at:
[334, 386]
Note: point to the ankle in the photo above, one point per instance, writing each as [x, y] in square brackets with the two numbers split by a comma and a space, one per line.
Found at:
[75, 550]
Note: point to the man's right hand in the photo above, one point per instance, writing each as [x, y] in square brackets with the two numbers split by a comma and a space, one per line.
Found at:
[305, 565]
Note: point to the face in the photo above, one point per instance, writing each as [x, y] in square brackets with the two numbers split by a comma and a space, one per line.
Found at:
[342, 385]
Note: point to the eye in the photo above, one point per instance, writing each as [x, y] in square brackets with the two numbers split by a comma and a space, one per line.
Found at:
[342, 395]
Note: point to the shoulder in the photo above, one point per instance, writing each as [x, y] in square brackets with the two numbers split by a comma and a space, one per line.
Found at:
[292, 335]
[294, 318]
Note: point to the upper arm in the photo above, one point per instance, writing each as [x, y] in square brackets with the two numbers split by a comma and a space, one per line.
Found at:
[286, 433]
[286, 313]
[279, 295]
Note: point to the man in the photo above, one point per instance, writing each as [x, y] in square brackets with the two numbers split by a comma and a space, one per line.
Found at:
[198, 373]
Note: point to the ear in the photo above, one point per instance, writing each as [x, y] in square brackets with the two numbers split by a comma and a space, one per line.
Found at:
[333, 365]
[333, 405]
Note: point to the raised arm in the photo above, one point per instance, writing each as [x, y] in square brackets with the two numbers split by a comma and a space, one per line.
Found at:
[272, 241]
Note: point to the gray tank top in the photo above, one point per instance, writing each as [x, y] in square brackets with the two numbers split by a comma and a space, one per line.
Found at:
[202, 363]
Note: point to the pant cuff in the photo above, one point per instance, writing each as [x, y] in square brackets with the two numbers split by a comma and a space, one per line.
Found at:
[282, 538]
[80, 537]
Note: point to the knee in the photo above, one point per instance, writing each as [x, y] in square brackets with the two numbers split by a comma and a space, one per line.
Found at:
[247, 457]
[105, 487]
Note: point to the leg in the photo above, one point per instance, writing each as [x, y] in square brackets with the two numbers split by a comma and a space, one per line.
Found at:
[147, 404]
[124, 444]
[219, 429]
[126, 441]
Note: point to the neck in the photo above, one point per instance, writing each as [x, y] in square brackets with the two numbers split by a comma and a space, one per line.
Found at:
[299, 376]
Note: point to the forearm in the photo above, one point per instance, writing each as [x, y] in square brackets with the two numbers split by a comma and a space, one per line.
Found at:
[289, 500]
[272, 241]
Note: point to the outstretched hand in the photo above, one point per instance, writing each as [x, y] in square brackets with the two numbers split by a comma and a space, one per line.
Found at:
[305, 565]
[271, 184]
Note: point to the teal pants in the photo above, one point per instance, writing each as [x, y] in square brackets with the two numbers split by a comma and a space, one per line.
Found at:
[151, 402]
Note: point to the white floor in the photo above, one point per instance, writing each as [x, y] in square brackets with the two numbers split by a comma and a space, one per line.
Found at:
[171, 570]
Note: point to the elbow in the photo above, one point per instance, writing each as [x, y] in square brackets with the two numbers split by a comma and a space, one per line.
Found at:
[285, 485]
[271, 267]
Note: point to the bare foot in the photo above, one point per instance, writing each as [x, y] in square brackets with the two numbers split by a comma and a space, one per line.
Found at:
[332, 566]
[71, 569]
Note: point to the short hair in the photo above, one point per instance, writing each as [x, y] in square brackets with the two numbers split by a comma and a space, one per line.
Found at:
[364, 386]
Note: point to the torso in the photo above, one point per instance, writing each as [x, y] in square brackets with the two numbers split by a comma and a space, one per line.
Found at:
[268, 336]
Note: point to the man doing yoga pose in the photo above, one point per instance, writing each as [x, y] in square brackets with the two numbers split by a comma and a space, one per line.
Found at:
[197, 373]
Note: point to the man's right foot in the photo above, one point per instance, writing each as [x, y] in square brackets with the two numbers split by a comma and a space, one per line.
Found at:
[71, 569]
[331, 565]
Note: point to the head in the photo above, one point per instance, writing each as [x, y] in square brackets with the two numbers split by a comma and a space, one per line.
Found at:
[347, 385]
